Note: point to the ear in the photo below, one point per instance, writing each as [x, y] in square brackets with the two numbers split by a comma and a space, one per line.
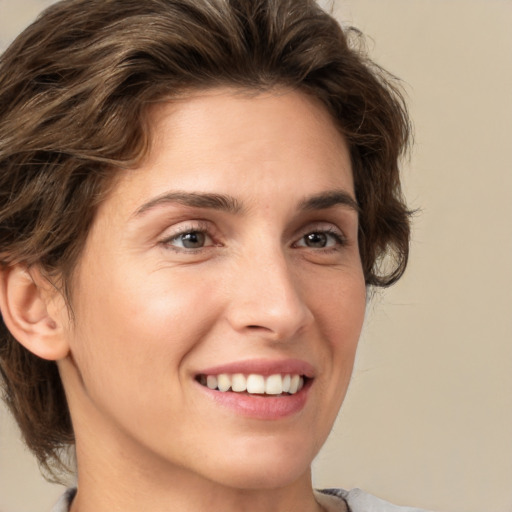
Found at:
[34, 311]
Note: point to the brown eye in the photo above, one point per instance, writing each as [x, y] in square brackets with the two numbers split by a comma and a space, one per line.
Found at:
[316, 240]
[326, 239]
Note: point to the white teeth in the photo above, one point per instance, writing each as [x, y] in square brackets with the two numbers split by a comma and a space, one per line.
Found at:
[238, 382]
[211, 381]
[274, 385]
[254, 384]
[286, 383]
[294, 384]
[223, 382]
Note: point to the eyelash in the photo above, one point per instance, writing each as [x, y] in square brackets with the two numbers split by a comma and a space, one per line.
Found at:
[200, 227]
[205, 229]
[339, 238]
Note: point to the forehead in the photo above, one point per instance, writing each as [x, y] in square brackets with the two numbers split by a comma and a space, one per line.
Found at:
[239, 112]
[238, 143]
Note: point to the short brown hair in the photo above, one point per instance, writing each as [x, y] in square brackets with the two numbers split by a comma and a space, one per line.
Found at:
[74, 90]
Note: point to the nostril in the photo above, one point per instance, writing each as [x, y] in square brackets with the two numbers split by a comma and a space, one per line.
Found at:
[258, 328]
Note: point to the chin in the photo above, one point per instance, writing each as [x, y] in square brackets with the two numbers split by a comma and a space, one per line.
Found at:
[267, 466]
[262, 478]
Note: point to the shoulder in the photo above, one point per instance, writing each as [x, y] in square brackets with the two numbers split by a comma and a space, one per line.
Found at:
[361, 501]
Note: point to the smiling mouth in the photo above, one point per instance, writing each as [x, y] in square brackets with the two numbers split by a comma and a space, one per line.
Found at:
[254, 384]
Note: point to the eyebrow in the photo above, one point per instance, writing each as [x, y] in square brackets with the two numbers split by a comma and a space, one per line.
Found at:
[194, 200]
[230, 204]
[326, 200]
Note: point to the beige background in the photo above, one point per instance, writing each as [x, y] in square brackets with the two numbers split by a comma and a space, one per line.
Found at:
[428, 419]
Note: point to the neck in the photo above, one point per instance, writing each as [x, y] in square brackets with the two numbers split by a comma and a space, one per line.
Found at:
[111, 479]
[177, 491]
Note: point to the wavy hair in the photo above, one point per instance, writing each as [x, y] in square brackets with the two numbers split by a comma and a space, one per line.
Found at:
[75, 88]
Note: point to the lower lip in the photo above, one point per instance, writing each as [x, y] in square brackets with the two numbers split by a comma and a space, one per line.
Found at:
[261, 407]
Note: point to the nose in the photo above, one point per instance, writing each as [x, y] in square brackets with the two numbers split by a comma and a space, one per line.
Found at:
[266, 298]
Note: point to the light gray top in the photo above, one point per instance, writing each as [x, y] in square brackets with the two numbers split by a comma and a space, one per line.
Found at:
[334, 500]
[356, 500]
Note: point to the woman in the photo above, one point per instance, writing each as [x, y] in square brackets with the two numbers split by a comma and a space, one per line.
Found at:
[196, 198]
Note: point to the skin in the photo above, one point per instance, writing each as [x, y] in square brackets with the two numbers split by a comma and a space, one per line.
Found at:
[150, 313]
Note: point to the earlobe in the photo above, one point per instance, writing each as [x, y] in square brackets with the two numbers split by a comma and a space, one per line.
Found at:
[32, 310]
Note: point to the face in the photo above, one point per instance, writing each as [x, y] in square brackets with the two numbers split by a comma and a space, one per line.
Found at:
[220, 296]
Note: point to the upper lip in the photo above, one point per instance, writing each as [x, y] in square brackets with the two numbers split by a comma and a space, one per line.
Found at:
[263, 367]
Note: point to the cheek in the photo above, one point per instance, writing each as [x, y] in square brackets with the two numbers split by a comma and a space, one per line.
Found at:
[340, 306]
[339, 303]
[140, 330]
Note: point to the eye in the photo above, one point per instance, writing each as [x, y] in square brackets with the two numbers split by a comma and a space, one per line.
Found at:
[192, 239]
[320, 240]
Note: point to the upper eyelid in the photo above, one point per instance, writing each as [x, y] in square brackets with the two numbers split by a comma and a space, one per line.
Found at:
[321, 226]
[184, 227]
[211, 229]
